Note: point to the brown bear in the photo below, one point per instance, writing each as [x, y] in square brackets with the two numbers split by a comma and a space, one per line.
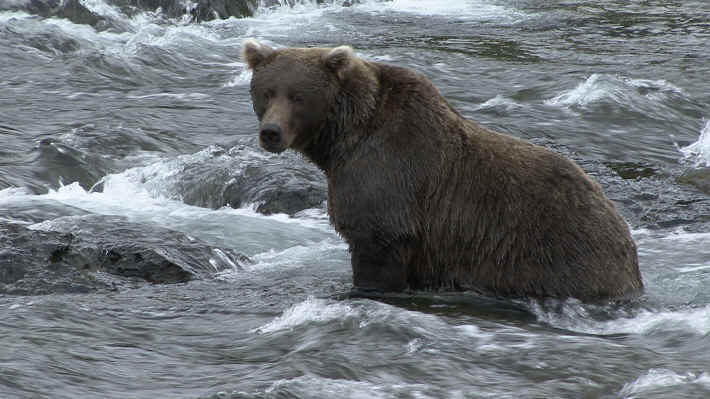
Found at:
[428, 200]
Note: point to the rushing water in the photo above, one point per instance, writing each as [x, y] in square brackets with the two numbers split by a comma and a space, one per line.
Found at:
[620, 86]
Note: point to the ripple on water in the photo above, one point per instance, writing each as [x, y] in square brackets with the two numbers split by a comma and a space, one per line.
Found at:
[660, 381]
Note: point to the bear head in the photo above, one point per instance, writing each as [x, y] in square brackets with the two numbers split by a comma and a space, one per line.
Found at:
[296, 92]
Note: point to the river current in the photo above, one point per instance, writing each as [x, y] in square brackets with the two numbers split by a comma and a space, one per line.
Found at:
[138, 128]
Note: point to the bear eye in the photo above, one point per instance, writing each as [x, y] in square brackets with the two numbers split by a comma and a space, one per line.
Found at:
[295, 97]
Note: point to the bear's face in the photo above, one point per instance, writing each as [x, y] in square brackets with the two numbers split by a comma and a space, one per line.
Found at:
[293, 91]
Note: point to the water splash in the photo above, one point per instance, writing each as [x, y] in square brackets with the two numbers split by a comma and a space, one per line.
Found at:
[498, 102]
[618, 89]
[312, 310]
[698, 153]
[241, 79]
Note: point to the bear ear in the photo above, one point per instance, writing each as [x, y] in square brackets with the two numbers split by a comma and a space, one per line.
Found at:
[338, 60]
[254, 53]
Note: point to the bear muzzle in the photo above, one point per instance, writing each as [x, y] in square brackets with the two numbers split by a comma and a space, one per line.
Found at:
[271, 137]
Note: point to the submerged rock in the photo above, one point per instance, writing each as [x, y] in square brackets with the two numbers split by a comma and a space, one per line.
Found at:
[68, 255]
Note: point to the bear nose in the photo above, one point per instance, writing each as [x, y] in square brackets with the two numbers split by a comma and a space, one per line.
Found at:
[270, 133]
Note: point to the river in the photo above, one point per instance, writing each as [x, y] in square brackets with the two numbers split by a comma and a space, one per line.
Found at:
[138, 132]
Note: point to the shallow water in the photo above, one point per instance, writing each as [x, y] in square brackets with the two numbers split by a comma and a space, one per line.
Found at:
[619, 86]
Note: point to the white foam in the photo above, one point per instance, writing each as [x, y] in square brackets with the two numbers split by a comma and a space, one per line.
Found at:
[241, 79]
[590, 90]
[100, 7]
[698, 153]
[171, 36]
[693, 268]
[13, 193]
[662, 378]
[498, 101]
[312, 310]
[619, 89]
[179, 96]
[310, 218]
[8, 3]
[655, 86]
[143, 29]
[295, 256]
[460, 9]
[6, 16]
[379, 58]
[279, 21]
[683, 236]
[575, 317]
[145, 188]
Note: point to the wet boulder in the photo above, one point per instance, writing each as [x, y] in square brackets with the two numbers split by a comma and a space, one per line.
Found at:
[197, 10]
[77, 12]
[31, 264]
[44, 8]
[57, 163]
[73, 10]
[90, 253]
[238, 177]
[207, 10]
[275, 189]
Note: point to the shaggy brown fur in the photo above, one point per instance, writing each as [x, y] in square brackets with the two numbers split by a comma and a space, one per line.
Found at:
[428, 200]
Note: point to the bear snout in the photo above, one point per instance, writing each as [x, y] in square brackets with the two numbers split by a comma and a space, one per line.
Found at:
[271, 137]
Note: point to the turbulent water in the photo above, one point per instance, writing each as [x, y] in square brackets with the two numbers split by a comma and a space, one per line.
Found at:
[142, 129]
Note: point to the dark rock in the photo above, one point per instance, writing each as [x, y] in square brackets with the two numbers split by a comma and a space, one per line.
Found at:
[292, 3]
[277, 189]
[633, 170]
[207, 10]
[44, 8]
[169, 8]
[57, 163]
[75, 11]
[70, 256]
[199, 10]
[72, 10]
[243, 175]
[28, 265]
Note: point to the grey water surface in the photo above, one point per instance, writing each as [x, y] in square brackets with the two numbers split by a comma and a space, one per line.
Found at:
[150, 249]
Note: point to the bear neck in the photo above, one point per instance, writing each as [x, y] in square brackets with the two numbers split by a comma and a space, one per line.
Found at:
[353, 111]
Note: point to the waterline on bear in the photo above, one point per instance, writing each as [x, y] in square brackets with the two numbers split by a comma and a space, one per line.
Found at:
[428, 200]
